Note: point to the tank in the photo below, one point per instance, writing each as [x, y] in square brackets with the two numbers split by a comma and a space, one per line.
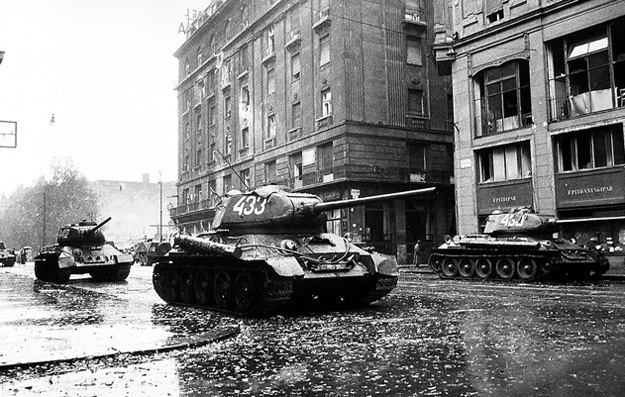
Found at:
[519, 244]
[146, 251]
[82, 248]
[268, 249]
[7, 257]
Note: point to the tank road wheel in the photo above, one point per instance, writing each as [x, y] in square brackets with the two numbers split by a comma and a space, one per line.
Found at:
[449, 267]
[224, 296]
[246, 294]
[187, 290]
[201, 289]
[505, 268]
[484, 268]
[435, 263]
[466, 268]
[527, 269]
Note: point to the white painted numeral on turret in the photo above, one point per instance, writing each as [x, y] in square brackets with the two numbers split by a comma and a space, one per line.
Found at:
[248, 205]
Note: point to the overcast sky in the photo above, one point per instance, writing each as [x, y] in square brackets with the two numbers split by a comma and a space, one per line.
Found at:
[106, 70]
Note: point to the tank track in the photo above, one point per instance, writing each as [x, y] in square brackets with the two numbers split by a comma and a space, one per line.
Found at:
[504, 267]
[236, 287]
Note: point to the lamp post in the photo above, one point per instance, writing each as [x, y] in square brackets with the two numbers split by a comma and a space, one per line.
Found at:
[160, 221]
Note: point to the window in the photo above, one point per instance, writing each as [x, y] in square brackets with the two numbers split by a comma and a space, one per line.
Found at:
[211, 79]
[295, 66]
[296, 115]
[494, 10]
[593, 148]
[199, 56]
[417, 160]
[245, 178]
[503, 98]
[187, 67]
[415, 101]
[227, 106]
[245, 138]
[244, 57]
[198, 122]
[228, 144]
[185, 196]
[212, 192]
[297, 169]
[326, 103]
[587, 71]
[211, 114]
[505, 163]
[187, 130]
[200, 90]
[270, 171]
[198, 157]
[414, 51]
[271, 79]
[325, 156]
[245, 99]
[227, 184]
[333, 224]
[198, 193]
[324, 49]
[271, 126]
[271, 39]
[415, 10]
[186, 165]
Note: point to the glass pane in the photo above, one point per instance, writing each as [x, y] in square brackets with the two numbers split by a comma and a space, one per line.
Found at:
[600, 148]
[512, 163]
[485, 162]
[565, 154]
[617, 144]
[584, 159]
[526, 161]
[499, 165]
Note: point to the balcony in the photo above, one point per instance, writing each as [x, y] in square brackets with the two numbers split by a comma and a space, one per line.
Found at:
[323, 22]
[196, 206]
[415, 16]
[293, 41]
[269, 54]
[565, 107]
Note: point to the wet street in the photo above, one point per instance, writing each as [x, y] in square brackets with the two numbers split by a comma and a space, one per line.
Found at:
[428, 338]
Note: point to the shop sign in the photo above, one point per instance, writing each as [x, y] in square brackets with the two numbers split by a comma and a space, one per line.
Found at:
[590, 188]
[504, 196]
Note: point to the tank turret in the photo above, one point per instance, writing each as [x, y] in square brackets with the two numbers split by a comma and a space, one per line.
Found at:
[273, 208]
[82, 233]
[267, 250]
[519, 244]
[82, 248]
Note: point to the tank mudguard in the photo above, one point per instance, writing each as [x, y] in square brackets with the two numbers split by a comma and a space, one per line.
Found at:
[286, 266]
[66, 259]
[385, 265]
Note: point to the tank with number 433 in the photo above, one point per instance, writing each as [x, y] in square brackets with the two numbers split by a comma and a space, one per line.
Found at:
[519, 244]
[268, 248]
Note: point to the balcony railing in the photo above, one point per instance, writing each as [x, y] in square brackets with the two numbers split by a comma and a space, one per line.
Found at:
[564, 107]
[195, 206]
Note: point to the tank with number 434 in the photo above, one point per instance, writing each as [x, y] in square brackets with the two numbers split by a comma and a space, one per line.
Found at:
[268, 248]
[519, 244]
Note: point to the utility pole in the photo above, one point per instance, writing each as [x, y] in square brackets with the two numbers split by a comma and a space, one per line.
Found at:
[43, 234]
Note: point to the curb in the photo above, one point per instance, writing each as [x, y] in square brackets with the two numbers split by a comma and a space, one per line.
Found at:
[192, 341]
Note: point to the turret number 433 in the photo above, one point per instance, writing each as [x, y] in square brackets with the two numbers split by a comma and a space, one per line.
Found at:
[248, 205]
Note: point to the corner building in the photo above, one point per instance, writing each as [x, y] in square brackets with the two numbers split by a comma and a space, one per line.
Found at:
[539, 91]
[338, 99]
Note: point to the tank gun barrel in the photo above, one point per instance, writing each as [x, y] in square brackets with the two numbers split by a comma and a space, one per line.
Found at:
[318, 208]
[99, 225]
[206, 246]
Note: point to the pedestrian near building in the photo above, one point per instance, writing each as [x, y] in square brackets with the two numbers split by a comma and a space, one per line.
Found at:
[417, 253]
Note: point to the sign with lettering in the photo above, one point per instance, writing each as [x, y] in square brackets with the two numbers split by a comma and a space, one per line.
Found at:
[8, 134]
[589, 188]
[504, 196]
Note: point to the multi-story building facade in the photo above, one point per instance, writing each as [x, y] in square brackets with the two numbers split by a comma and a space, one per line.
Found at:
[539, 91]
[336, 99]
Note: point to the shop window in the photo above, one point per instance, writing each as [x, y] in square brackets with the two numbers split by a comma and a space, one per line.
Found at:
[333, 224]
[245, 178]
[325, 156]
[505, 163]
[270, 171]
[503, 101]
[589, 149]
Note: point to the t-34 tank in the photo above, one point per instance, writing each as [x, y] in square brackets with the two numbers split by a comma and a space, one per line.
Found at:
[268, 249]
[82, 248]
[518, 244]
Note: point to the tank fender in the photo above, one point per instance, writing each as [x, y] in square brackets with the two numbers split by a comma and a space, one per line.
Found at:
[66, 259]
[287, 266]
[385, 264]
